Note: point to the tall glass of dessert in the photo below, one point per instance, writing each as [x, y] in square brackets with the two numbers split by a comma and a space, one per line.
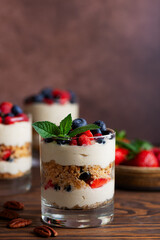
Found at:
[77, 176]
[15, 149]
[51, 105]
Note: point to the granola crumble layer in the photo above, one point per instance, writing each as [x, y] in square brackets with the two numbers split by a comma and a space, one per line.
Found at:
[16, 151]
[69, 175]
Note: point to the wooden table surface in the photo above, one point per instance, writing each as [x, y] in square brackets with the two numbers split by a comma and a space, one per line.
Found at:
[137, 216]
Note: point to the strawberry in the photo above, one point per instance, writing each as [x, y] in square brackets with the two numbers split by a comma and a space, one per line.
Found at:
[156, 151]
[0, 119]
[6, 154]
[84, 140]
[89, 134]
[5, 107]
[48, 101]
[96, 183]
[18, 118]
[145, 158]
[49, 184]
[120, 155]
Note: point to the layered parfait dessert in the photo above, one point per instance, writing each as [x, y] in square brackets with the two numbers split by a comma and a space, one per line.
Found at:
[77, 165]
[15, 142]
[51, 105]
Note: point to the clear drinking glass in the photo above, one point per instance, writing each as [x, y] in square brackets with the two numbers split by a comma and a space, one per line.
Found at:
[15, 157]
[77, 182]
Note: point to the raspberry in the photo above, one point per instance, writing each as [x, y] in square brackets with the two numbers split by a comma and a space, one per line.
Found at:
[5, 107]
[73, 142]
[0, 119]
[63, 96]
[97, 134]
[48, 101]
[89, 134]
[84, 140]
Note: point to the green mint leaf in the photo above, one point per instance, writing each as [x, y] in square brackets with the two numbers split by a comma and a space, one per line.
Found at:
[129, 146]
[121, 134]
[66, 125]
[46, 129]
[83, 129]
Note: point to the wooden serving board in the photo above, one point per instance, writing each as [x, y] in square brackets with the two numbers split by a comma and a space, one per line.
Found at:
[137, 178]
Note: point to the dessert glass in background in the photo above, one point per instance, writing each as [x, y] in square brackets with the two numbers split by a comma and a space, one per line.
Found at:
[51, 105]
[77, 178]
[15, 149]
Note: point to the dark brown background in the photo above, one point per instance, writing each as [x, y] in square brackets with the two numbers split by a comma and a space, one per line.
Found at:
[107, 51]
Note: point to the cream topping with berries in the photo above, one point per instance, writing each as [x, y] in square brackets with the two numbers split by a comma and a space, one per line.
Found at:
[95, 154]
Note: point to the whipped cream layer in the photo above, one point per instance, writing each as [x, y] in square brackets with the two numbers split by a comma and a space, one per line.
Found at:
[95, 154]
[82, 197]
[52, 112]
[18, 165]
[16, 134]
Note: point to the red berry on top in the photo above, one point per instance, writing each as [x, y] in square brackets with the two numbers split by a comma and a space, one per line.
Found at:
[84, 140]
[120, 155]
[89, 134]
[6, 107]
[48, 101]
[97, 134]
[73, 142]
[63, 96]
[1, 119]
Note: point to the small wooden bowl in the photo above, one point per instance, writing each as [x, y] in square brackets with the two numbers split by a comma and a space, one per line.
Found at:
[137, 178]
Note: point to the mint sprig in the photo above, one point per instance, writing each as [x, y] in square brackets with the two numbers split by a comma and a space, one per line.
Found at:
[46, 129]
[65, 125]
[64, 131]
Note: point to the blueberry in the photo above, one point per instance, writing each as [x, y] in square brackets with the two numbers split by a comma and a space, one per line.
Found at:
[79, 122]
[100, 140]
[98, 130]
[68, 188]
[57, 187]
[61, 142]
[85, 176]
[48, 140]
[101, 124]
[16, 110]
[73, 97]
[47, 92]
[109, 133]
[10, 159]
[38, 98]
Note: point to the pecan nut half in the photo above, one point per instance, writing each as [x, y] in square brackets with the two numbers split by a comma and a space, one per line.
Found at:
[14, 205]
[8, 214]
[19, 222]
[45, 231]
